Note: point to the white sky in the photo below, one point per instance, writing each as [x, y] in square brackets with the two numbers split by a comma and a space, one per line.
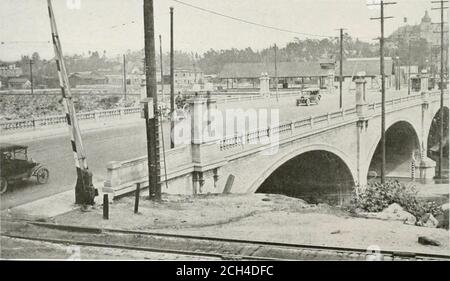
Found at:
[91, 26]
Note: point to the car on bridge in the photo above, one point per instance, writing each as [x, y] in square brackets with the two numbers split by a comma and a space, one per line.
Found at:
[15, 166]
[309, 96]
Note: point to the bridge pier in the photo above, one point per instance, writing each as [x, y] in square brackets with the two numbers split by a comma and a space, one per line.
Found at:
[264, 87]
[362, 126]
[205, 157]
[426, 166]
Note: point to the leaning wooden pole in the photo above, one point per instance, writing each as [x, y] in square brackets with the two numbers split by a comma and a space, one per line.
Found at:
[84, 190]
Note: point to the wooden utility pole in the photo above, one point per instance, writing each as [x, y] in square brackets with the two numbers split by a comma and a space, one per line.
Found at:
[441, 111]
[341, 65]
[162, 73]
[276, 72]
[31, 75]
[151, 119]
[172, 84]
[124, 77]
[409, 66]
[383, 89]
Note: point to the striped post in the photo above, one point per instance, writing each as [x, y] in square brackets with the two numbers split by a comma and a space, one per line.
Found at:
[84, 191]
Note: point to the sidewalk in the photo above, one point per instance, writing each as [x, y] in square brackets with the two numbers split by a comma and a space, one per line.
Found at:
[61, 130]
[49, 207]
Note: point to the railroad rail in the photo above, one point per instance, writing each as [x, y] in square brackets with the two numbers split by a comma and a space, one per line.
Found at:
[202, 246]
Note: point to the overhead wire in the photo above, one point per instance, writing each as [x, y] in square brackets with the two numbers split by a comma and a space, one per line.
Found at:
[251, 22]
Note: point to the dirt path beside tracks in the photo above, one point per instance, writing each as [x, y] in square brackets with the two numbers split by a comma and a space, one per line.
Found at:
[262, 217]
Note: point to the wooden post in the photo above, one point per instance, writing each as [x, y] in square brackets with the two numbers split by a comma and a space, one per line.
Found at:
[136, 198]
[229, 184]
[105, 207]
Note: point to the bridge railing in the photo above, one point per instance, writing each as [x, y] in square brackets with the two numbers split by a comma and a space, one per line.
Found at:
[238, 140]
[287, 127]
[122, 177]
[399, 100]
[39, 122]
[33, 123]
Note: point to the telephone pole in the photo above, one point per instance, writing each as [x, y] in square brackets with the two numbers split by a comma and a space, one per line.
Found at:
[409, 63]
[31, 75]
[161, 63]
[383, 88]
[172, 84]
[124, 77]
[152, 124]
[341, 63]
[441, 111]
[276, 72]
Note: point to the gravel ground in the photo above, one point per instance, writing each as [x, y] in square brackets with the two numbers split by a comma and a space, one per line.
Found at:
[262, 217]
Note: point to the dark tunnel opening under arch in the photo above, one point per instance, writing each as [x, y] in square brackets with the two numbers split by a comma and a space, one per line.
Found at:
[402, 143]
[316, 176]
[433, 140]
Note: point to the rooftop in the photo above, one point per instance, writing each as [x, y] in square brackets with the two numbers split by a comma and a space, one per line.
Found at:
[369, 65]
[284, 69]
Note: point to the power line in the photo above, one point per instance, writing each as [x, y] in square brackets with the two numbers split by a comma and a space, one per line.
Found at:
[252, 23]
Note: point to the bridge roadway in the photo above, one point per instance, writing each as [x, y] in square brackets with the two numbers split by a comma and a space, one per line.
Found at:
[129, 141]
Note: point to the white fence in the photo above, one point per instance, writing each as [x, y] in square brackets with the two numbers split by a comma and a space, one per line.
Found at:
[104, 114]
[61, 119]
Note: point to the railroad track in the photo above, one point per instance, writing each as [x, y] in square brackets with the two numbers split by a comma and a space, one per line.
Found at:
[199, 246]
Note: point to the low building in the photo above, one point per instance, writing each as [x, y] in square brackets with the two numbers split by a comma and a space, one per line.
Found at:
[10, 70]
[184, 78]
[18, 83]
[87, 78]
[371, 66]
[290, 74]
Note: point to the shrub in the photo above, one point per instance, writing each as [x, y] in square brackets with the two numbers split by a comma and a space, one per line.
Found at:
[376, 197]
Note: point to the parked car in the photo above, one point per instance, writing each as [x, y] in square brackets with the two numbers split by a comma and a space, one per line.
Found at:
[309, 96]
[15, 166]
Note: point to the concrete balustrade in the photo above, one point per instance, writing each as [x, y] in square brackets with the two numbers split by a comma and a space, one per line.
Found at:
[122, 177]
[204, 165]
[61, 119]
[103, 114]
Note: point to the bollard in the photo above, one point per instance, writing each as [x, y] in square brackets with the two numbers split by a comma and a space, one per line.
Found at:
[105, 207]
[136, 198]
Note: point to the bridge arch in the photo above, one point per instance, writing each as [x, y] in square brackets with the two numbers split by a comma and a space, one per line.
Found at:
[300, 155]
[402, 140]
[433, 132]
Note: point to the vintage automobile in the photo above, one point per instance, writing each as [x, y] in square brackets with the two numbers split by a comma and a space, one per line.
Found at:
[15, 166]
[309, 96]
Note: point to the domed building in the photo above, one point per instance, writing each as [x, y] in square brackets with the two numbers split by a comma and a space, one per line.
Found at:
[425, 29]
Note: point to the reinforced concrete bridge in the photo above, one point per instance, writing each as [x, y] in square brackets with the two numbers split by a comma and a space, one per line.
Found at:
[339, 146]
